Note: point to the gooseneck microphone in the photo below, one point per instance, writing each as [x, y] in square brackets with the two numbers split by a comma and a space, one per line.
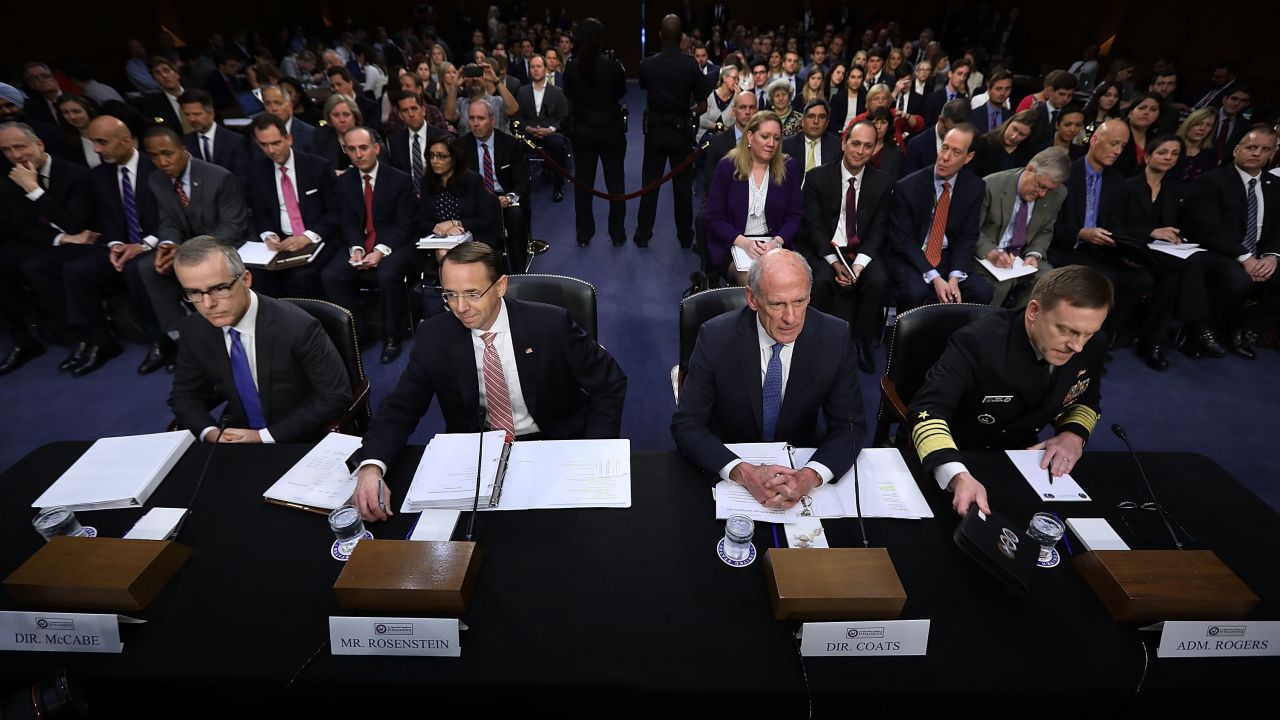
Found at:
[1124, 437]
[475, 500]
[857, 490]
[191, 503]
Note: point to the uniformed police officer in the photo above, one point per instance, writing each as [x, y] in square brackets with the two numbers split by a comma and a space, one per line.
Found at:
[677, 91]
[595, 85]
[1004, 377]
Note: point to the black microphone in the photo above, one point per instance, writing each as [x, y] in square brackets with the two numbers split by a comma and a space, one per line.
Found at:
[475, 501]
[857, 491]
[1120, 433]
[222, 426]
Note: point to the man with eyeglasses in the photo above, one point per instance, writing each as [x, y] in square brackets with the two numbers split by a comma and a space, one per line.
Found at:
[814, 146]
[270, 361]
[494, 363]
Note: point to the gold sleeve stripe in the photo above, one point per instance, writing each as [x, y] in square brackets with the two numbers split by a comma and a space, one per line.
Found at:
[931, 436]
[1081, 415]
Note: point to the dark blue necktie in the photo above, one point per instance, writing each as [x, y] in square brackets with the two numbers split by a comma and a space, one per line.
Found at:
[208, 154]
[773, 392]
[243, 378]
[1251, 220]
[130, 207]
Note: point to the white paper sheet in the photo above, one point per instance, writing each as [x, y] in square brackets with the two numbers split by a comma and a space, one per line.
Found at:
[435, 525]
[1183, 251]
[117, 472]
[741, 260]
[158, 524]
[446, 476]
[887, 488]
[442, 242]
[321, 478]
[1064, 487]
[255, 252]
[1018, 270]
[567, 474]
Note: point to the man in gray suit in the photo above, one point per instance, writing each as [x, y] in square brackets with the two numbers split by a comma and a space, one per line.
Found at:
[193, 198]
[1018, 213]
[543, 109]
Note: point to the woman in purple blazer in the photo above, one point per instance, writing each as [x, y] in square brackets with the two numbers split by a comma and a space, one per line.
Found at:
[755, 201]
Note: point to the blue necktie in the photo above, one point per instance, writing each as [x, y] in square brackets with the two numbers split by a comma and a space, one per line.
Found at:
[1091, 202]
[773, 392]
[130, 207]
[1251, 226]
[208, 156]
[243, 378]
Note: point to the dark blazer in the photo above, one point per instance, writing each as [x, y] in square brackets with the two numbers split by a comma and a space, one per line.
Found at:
[517, 70]
[62, 204]
[510, 164]
[1142, 215]
[717, 147]
[230, 150]
[1214, 212]
[157, 108]
[913, 202]
[980, 117]
[326, 145]
[722, 400]
[223, 92]
[726, 210]
[823, 193]
[828, 149]
[922, 150]
[108, 206]
[933, 103]
[573, 388]
[989, 159]
[555, 108]
[317, 190]
[478, 208]
[1112, 203]
[216, 206]
[396, 153]
[304, 137]
[302, 382]
[395, 209]
[891, 163]
[841, 112]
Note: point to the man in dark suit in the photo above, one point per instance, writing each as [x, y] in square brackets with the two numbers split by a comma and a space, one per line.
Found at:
[1005, 376]
[741, 372]
[407, 147]
[295, 203]
[343, 83]
[934, 228]
[164, 107]
[544, 378]
[910, 100]
[499, 160]
[922, 150]
[223, 85]
[841, 242]
[543, 109]
[279, 373]
[989, 115]
[1231, 125]
[193, 198]
[208, 140]
[814, 145]
[379, 226]
[277, 102]
[1061, 87]
[1234, 212]
[956, 87]
[45, 200]
[709, 70]
[42, 94]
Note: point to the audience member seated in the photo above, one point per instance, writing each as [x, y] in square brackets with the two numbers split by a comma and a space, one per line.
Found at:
[1068, 124]
[851, 100]
[755, 201]
[956, 88]
[407, 146]
[499, 160]
[454, 199]
[283, 389]
[343, 83]
[1006, 147]
[479, 89]
[887, 156]
[45, 91]
[543, 110]
[991, 114]
[278, 102]
[77, 112]
[208, 140]
[1103, 105]
[1199, 156]
[813, 145]
[922, 150]
[779, 92]
[880, 96]
[223, 84]
[1143, 118]
[341, 114]
[164, 107]
[1061, 88]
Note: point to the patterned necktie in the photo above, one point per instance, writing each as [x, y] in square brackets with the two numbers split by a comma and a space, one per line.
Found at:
[933, 248]
[182, 193]
[495, 388]
[1091, 201]
[370, 233]
[416, 159]
[851, 217]
[995, 117]
[130, 207]
[208, 154]
[291, 203]
[772, 393]
[1019, 239]
[488, 168]
[242, 376]
[1251, 220]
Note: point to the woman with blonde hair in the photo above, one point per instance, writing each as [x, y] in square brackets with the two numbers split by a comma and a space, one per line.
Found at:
[1197, 132]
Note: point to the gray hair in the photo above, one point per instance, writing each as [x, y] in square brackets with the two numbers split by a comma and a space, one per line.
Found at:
[756, 273]
[1052, 162]
[202, 247]
[780, 83]
[725, 69]
[23, 128]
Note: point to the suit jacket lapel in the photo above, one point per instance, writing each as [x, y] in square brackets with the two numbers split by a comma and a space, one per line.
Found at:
[263, 351]
[749, 360]
[1025, 371]
[803, 356]
[462, 358]
[524, 338]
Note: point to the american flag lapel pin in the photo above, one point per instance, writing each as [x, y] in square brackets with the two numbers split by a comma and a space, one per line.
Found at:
[528, 351]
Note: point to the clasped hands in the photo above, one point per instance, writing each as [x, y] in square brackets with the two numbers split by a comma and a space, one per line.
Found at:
[755, 246]
[774, 486]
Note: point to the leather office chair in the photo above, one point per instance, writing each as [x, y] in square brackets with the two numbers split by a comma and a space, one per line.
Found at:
[919, 337]
[340, 326]
[695, 310]
[572, 294]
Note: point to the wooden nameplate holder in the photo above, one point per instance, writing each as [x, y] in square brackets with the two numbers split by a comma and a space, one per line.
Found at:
[102, 574]
[1165, 585]
[833, 584]
[410, 576]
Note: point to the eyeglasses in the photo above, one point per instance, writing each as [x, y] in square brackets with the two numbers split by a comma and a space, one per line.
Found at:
[1131, 505]
[471, 296]
[217, 292]
[439, 156]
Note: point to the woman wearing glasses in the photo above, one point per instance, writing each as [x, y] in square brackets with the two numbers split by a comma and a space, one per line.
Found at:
[454, 199]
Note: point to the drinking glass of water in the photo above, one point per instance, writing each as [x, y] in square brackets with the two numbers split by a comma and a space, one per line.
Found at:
[53, 521]
[347, 527]
[738, 530]
[1046, 530]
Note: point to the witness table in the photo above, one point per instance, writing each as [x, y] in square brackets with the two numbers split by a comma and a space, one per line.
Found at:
[604, 611]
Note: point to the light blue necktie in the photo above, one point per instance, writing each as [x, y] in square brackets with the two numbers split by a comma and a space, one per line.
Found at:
[773, 392]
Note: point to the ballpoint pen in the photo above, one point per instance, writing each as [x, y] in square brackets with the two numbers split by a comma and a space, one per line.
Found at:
[1050, 471]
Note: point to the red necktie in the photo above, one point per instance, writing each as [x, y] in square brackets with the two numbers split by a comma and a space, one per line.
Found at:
[851, 217]
[488, 168]
[370, 233]
[933, 248]
[495, 389]
[182, 194]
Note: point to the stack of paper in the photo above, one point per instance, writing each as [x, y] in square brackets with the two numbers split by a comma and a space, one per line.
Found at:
[446, 477]
[1064, 488]
[1019, 269]
[550, 474]
[1180, 250]
[256, 253]
[119, 472]
[319, 481]
[442, 242]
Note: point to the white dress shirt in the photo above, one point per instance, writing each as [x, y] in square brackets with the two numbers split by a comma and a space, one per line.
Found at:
[422, 146]
[212, 132]
[285, 226]
[373, 181]
[493, 158]
[1257, 190]
[248, 329]
[148, 241]
[946, 242]
[839, 239]
[523, 421]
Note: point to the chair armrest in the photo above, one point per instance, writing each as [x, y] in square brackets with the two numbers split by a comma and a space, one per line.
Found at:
[358, 399]
[889, 391]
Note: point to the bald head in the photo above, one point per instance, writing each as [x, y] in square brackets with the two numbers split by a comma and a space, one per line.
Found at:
[670, 31]
[778, 287]
[1107, 143]
[744, 108]
[112, 139]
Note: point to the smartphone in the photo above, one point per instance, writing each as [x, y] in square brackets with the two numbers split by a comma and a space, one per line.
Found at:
[472, 70]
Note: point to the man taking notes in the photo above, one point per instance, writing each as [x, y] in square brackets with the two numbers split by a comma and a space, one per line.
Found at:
[762, 374]
[1005, 376]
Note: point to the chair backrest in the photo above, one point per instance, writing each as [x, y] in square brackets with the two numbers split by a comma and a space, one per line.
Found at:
[576, 296]
[919, 337]
[701, 307]
[340, 326]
